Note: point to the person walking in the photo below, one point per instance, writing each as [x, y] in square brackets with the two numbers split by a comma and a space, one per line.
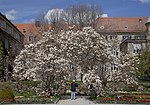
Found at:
[73, 90]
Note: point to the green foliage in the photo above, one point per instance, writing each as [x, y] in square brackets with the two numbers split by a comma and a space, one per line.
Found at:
[92, 98]
[1, 58]
[21, 88]
[30, 83]
[144, 64]
[29, 93]
[145, 84]
[132, 88]
[37, 100]
[26, 86]
[7, 85]
[6, 94]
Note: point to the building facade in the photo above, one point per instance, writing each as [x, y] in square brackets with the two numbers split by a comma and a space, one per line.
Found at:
[30, 31]
[11, 40]
[33, 31]
[130, 32]
[148, 33]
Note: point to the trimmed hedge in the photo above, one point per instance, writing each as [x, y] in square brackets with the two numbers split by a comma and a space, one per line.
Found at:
[6, 95]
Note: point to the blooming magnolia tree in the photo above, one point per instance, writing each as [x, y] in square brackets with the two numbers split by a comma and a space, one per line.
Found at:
[115, 74]
[59, 57]
[43, 62]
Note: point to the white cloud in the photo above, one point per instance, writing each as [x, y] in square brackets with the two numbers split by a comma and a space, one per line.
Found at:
[104, 15]
[11, 14]
[29, 21]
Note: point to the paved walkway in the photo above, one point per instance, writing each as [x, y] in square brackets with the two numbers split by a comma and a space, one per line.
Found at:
[78, 101]
[83, 101]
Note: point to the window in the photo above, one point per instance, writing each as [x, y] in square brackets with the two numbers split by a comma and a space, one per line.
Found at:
[103, 67]
[126, 27]
[114, 51]
[140, 20]
[101, 27]
[31, 38]
[139, 37]
[10, 30]
[114, 67]
[126, 37]
[18, 37]
[3, 24]
[113, 37]
[24, 30]
[137, 48]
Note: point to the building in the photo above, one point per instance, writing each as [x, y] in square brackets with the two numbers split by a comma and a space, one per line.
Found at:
[148, 33]
[11, 40]
[130, 32]
[126, 30]
[30, 31]
[33, 31]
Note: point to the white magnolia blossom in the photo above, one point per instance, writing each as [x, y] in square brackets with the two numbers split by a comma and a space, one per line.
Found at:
[52, 59]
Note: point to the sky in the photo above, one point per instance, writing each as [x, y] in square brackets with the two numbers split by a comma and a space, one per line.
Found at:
[26, 11]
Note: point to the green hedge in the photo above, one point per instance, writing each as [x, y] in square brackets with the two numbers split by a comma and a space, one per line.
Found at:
[6, 94]
[34, 101]
[30, 83]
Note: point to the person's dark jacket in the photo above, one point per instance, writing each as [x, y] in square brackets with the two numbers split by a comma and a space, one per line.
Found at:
[73, 86]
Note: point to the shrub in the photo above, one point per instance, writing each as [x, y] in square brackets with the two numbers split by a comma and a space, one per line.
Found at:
[132, 88]
[29, 93]
[6, 95]
[7, 85]
[35, 101]
[93, 97]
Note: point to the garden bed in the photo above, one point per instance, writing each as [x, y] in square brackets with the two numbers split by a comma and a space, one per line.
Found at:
[122, 101]
[125, 98]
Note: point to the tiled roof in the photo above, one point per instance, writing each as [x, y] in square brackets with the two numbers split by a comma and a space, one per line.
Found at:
[136, 24]
[26, 28]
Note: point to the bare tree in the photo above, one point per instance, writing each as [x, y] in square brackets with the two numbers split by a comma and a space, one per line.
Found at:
[82, 15]
[41, 23]
[55, 18]
[75, 15]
